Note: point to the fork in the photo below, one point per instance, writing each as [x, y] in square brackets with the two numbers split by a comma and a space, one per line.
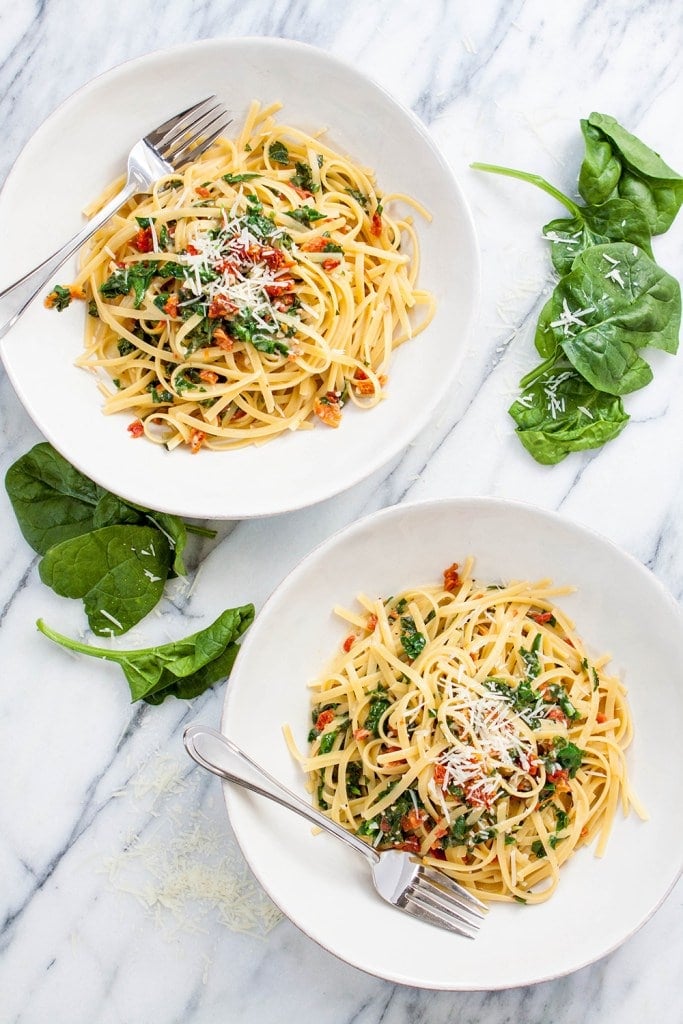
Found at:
[165, 150]
[417, 889]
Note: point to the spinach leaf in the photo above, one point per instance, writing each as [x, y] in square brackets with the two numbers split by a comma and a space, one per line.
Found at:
[278, 153]
[568, 237]
[51, 499]
[234, 179]
[559, 412]
[378, 706]
[559, 696]
[412, 641]
[645, 178]
[113, 553]
[601, 167]
[538, 849]
[568, 755]
[304, 177]
[245, 327]
[60, 297]
[266, 343]
[172, 269]
[616, 220]
[258, 223]
[175, 532]
[327, 742]
[389, 823]
[532, 664]
[359, 196]
[53, 502]
[113, 511]
[306, 215]
[183, 668]
[119, 571]
[135, 278]
[614, 301]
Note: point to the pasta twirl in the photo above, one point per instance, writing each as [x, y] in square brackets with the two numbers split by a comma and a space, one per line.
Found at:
[467, 724]
[254, 294]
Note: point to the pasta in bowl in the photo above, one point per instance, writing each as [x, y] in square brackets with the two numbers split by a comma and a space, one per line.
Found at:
[255, 294]
[466, 723]
[588, 773]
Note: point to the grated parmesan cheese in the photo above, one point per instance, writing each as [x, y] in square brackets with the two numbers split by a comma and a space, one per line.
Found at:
[111, 618]
[184, 870]
[568, 318]
[613, 273]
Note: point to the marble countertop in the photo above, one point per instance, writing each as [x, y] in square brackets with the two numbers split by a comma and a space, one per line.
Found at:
[104, 917]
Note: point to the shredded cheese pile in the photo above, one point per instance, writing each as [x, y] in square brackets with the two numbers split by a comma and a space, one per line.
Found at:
[183, 867]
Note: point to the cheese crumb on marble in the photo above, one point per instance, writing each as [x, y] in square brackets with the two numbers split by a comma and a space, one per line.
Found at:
[184, 869]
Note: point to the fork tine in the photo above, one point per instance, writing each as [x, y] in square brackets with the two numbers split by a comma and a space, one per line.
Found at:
[449, 884]
[449, 902]
[418, 904]
[194, 149]
[191, 128]
[178, 122]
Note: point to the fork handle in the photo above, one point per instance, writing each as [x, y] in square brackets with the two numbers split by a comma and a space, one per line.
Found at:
[15, 298]
[215, 752]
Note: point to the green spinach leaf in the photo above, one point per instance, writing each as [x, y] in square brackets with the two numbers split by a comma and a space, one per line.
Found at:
[559, 412]
[173, 270]
[119, 571]
[614, 301]
[601, 167]
[532, 665]
[259, 224]
[53, 501]
[60, 297]
[306, 215]
[617, 220]
[568, 755]
[245, 327]
[378, 706]
[359, 196]
[183, 668]
[135, 278]
[234, 179]
[645, 179]
[304, 177]
[412, 641]
[278, 152]
[113, 511]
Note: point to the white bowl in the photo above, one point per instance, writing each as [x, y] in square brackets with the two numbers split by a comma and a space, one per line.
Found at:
[325, 888]
[83, 146]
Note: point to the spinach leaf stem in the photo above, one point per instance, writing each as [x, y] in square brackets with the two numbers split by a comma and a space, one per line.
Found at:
[533, 179]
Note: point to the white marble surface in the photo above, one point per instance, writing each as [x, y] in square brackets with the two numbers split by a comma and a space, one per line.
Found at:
[95, 922]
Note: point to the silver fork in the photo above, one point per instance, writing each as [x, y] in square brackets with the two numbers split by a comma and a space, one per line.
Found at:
[420, 891]
[167, 149]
